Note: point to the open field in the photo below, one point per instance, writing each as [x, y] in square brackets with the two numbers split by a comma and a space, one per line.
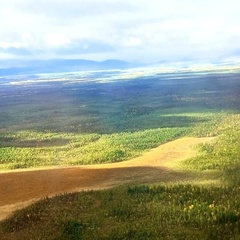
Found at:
[152, 166]
[76, 119]
[167, 193]
[191, 204]
[157, 203]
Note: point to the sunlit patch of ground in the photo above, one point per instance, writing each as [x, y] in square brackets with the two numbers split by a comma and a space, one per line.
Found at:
[161, 164]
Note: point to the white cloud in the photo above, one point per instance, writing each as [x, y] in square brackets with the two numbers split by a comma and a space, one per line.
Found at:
[132, 42]
[55, 40]
[135, 29]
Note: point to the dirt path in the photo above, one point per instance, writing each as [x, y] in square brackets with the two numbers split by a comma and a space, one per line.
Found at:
[20, 188]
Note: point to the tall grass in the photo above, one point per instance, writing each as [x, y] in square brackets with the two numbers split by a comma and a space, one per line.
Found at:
[134, 212]
[222, 155]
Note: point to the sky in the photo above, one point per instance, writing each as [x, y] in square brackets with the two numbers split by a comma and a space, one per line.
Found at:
[152, 31]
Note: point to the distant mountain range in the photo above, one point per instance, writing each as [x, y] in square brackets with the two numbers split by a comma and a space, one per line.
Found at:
[58, 65]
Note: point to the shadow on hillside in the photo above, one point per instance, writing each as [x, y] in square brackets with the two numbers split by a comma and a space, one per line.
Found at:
[17, 186]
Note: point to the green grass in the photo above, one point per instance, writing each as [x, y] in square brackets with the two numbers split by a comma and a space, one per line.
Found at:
[111, 122]
[223, 155]
[26, 149]
[157, 211]
[134, 212]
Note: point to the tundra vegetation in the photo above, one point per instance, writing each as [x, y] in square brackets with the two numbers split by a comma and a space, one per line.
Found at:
[108, 122]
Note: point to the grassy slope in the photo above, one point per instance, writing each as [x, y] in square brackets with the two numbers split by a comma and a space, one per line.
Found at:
[26, 149]
[33, 149]
[138, 212]
[146, 211]
[137, 108]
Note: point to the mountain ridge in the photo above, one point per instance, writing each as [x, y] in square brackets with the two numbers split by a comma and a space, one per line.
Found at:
[59, 65]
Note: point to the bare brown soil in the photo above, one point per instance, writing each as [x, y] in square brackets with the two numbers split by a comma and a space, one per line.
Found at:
[21, 188]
